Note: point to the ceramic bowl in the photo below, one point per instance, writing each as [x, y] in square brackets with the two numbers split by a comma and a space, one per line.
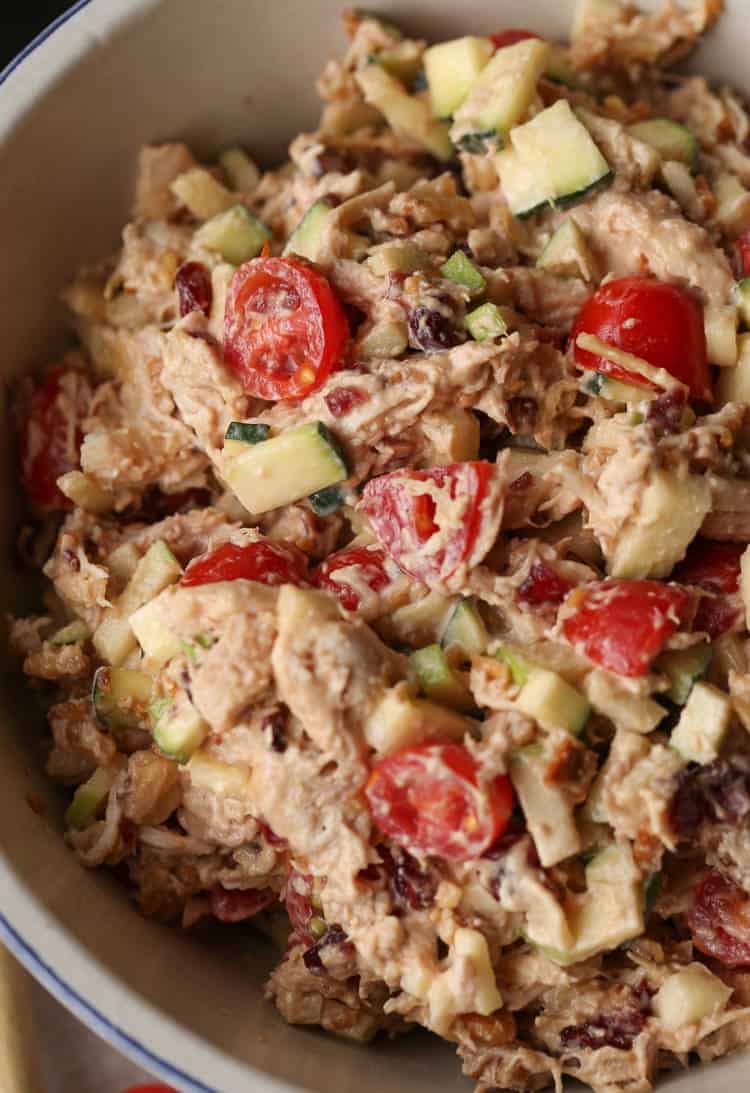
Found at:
[74, 108]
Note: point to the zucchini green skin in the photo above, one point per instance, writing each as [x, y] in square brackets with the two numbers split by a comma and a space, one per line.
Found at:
[581, 195]
[247, 432]
[326, 501]
[74, 632]
[120, 697]
[571, 199]
[462, 271]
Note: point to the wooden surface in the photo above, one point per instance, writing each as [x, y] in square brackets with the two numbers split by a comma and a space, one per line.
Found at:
[44, 1049]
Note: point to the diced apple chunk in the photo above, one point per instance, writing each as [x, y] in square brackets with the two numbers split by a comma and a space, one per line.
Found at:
[703, 724]
[671, 512]
[688, 996]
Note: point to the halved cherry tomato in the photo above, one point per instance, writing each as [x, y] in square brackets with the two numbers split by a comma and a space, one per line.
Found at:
[366, 566]
[624, 625]
[267, 561]
[510, 37]
[657, 322]
[716, 568]
[743, 253]
[50, 435]
[429, 521]
[719, 920]
[284, 329]
[235, 905]
[430, 799]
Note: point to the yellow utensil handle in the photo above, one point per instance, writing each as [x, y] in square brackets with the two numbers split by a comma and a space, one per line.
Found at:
[19, 1072]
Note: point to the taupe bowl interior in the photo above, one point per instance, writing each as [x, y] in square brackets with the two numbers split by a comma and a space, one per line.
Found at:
[72, 116]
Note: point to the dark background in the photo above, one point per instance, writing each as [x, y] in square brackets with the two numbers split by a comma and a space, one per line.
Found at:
[20, 26]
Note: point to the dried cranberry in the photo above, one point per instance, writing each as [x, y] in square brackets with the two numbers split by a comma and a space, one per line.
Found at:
[412, 885]
[193, 284]
[430, 330]
[524, 482]
[608, 1030]
[543, 585]
[343, 399]
[719, 920]
[716, 615]
[313, 957]
[236, 905]
[719, 793]
[666, 411]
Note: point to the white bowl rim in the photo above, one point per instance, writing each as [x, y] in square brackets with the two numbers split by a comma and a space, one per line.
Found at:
[18, 944]
[87, 1013]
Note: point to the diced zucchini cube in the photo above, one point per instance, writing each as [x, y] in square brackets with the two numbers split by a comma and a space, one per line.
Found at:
[243, 175]
[452, 69]
[673, 142]
[178, 728]
[404, 60]
[71, 634]
[408, 116]
[703, 724]
[466, 630]
[402, 257]
[306, 238]
[248, 432]
[688, 996]
[422, 622]
[157, 641]
[683, 667]
[89, 799]
[461, 270]
[486, 321]
[285, 468]
[439, 681]
[201, 193]
[568, 254]
[398, 721]
[520, 669]
[237, 235]
[502, 94]
[121, 697]
[560, 153]
[553, 702]
[525, 191]
[114, 638]
[326, 502]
